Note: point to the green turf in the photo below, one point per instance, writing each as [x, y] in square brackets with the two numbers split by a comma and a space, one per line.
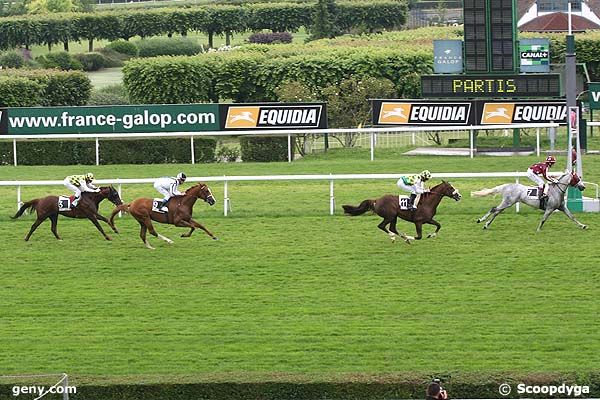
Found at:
[289, 289]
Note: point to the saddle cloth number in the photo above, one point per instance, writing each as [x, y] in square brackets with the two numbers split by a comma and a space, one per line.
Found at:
[64, 203]
[404, 202]
[532, 192]
[155, 204]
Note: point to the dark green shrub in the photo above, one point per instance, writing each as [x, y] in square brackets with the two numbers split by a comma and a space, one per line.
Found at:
[227, 154]
[161, 46]
[125, 151]
[262, 149]
[109, 95]
[59, 88]
[19, 92]
[61, 60]
[91, 61]
[123, 47]
[270, 37]
[11, 59]
[113, 58]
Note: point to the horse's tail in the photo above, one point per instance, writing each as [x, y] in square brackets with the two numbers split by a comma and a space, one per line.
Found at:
[362, 208]
[487, 192]
[28, 205]
[118, 209]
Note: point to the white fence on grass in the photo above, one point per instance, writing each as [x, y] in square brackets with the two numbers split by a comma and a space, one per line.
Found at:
[409, 130]
[241, 178]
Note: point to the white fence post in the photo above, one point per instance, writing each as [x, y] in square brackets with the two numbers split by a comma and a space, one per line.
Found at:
[471, 143]
[517, 208]
[372, 146]
[119, 190]
[97, 152]
[225, 197]
[331, 198]
[15, 152]
[18, 197]
[192, 150]
[537, 140]
[289, 137]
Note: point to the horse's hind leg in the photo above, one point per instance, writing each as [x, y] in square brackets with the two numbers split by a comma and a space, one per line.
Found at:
[437, 225]
[571, 216]
[496, 211]
[54, 221]
[153, 232]
[383, 225]
[486, 215]
[37, 223]
[143, 230]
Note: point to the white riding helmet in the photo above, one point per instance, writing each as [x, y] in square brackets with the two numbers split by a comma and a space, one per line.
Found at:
[181, 177]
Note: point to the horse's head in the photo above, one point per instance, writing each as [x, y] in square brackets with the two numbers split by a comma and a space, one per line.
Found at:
[202, 191]
[576, 182]
[446, 189]
[110, 193]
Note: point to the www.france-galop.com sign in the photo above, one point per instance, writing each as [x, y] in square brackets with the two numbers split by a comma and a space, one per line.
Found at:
[594, 95]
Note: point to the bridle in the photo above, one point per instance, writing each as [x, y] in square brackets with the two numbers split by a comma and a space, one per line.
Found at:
[558, 183]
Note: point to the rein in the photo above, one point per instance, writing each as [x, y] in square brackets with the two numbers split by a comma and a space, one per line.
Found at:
[557, 183]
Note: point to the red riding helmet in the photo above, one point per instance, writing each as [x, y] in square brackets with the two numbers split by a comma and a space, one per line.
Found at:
[550, 160]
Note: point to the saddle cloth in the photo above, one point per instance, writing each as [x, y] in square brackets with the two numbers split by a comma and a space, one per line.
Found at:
[404, 202]
[155, 204]
[532, 192]
[65, 202]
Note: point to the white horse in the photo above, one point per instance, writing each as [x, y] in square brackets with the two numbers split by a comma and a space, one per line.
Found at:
[514, 192]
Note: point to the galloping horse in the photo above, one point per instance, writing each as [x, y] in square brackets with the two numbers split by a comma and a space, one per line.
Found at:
[388, 208]
[514, 192]
[47, 207]
[179, 214]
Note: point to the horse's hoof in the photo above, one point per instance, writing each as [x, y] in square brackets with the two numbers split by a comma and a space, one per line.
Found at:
[407, 241]
[485, 227]
[479, 221]
[431, 235]
[108, 238]
[215, 238]
[584, 227]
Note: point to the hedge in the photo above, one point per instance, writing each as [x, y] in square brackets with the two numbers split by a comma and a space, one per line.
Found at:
[19, 92]
[255, 75]
[124, 151]
[355, 387]
[57, 28]
[264, 149]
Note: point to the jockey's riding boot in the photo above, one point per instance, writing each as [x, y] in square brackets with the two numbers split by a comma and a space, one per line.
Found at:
[413, 198]
[163, 206]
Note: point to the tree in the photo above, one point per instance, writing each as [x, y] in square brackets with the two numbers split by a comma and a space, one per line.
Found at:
[325, 20]
[52, 6]
[348, 104]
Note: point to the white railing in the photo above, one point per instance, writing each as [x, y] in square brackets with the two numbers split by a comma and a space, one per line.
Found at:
[242, 178]
[279, 132]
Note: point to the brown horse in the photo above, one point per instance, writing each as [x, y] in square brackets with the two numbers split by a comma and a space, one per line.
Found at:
[47, 207]
[179, 214]
[388, 207]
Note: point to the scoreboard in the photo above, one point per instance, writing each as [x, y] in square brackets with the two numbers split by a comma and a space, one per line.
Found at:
[490, 34]
[490, 86]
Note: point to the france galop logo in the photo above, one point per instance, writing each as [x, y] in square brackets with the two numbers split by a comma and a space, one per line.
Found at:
[242, 117]
[498, 113]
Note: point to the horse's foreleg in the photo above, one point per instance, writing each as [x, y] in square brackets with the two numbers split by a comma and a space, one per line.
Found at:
[34, 227]
[54, 220]
[97, 225]
[437, 225]
[112, 225]
[419, 227]
[569, 214]
[193, 224]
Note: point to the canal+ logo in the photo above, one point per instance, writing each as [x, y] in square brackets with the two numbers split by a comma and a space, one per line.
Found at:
[276, 116]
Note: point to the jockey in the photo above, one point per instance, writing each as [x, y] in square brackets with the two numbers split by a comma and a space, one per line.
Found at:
[168, 187]
[80, 183]
[415, 185]
[539, 170]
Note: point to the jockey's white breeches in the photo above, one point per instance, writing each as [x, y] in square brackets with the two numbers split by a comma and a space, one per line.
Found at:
[539, 181]
[166, 194]
[72, 188]
[409, 188]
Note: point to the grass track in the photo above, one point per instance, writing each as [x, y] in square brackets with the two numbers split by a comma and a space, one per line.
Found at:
[289, 289]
